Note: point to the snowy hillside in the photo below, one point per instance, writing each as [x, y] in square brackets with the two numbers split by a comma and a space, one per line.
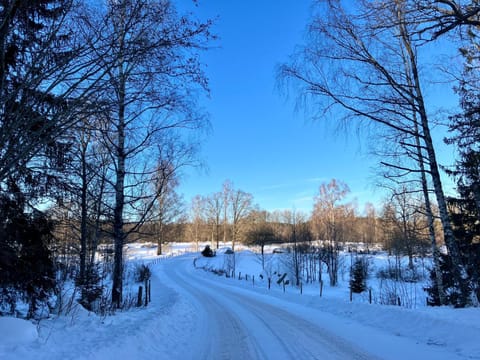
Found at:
[196, 314]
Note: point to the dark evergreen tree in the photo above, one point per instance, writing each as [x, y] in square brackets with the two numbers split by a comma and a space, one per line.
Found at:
[457, 295]
[25, 264]
[358, 276]
[465, 126]
[465, 215]
[34, 111]
[465, 210]
[91, 287]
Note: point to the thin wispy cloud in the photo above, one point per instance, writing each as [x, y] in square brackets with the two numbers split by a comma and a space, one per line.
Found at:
[293, 184]
[316, 179]
[275, 187]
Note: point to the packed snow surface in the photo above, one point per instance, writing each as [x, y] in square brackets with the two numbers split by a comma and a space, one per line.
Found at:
[17, 331]
[196, 314]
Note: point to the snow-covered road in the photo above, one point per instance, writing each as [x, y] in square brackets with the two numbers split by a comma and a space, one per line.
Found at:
[197, 315]
[243, 322]
[233, 324]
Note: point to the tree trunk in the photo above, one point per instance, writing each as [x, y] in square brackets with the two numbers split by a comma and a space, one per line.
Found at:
[118, 231]
[431, 225]
[450, 241]
[263, 255]
[118, 235]
[225, 223]
[212, 236]
[98, 221]
[83, 211]
[295, 256]
[160, 238]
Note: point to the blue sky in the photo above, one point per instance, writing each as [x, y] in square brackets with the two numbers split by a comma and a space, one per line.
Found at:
[258, 140]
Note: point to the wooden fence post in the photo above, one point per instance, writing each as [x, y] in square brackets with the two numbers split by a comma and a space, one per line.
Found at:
[146, 292]
[139, 298]
[149, 290]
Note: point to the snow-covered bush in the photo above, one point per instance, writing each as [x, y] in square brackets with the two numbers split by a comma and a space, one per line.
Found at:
[399, 272]
[208, 252]
[398, 293]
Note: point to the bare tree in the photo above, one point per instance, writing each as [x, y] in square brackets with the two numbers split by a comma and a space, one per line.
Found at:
[146, 94]
[168, 206]
[363, 64]
[226, 191]
[214, 208]
[370, 231]
[298, 234]
[408, 224]
[332, 219]
[89, 183]
[260, 232]
[197, 209]
[437, 18]
[241, 205]
[276, 218]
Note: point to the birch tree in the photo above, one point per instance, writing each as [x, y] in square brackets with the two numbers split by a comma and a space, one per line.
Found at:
[241, 204]
[146, 94]
[362, 64]
[226, 191]
[168, 205]
[197, 211]
[330, 218]
[214, 206]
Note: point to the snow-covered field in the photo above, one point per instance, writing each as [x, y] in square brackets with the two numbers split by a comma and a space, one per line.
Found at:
[196, 314]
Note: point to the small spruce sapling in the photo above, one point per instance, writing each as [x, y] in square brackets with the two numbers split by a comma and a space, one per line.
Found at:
[358, 278]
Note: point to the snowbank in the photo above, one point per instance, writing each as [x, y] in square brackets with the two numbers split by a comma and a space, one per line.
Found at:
[167, 328]
[17, 331]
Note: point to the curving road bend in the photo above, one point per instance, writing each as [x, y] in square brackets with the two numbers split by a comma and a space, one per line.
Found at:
[234, 324]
